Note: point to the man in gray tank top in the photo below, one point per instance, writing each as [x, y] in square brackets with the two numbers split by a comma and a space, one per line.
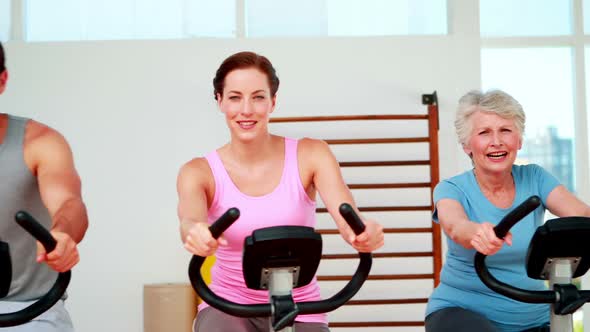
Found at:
[37, 174]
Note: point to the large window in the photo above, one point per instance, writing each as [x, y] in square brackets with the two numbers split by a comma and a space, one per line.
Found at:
[59, 20]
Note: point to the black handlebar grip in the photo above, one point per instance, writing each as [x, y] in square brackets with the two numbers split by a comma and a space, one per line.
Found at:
[34, 228]
[226, 220]
[526, 207]
[353, 220]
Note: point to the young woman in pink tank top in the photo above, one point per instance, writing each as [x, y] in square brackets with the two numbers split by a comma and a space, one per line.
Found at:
[272, 180]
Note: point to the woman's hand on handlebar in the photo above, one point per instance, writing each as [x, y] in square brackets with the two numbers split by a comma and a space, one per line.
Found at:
[369, 240]
[485, 240]
[200, 242]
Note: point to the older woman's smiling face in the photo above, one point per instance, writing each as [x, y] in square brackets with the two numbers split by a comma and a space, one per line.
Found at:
[493, 143]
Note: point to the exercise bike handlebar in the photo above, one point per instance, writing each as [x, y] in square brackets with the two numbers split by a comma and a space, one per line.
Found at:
[33, 227]
[223, 223]
[258, 310]
[514, 216]
[22, 316]
[353, 219]
[494, 284]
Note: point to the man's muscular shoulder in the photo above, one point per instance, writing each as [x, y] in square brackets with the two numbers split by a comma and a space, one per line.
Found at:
[43, 142]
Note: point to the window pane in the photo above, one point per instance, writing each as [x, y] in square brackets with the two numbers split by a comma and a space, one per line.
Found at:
[53, 20]
[109, 19]
[128, 19]
[159, 19]
[541, 80]
[499, 18]
[212, 18]
[4, 20]
[265, 18]
[386, 17]
[345, 17]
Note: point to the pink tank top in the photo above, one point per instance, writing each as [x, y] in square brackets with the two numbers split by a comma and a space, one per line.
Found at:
[287, 204]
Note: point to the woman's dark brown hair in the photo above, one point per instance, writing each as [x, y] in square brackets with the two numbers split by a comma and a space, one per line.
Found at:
[2, 65]
[244, 60]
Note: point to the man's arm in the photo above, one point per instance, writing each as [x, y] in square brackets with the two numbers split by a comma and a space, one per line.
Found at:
[49, 157]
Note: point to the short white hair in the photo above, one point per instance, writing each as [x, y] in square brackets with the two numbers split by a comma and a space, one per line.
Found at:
[493, 101]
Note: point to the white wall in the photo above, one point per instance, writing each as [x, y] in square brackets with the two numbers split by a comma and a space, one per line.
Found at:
[134, 112]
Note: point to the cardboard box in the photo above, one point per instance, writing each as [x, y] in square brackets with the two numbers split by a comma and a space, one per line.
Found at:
[169, 307]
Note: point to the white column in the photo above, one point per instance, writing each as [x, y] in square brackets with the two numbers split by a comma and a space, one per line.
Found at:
[17, 20]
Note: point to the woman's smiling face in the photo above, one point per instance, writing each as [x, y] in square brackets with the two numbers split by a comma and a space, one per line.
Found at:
[493, 143]
[246, 103]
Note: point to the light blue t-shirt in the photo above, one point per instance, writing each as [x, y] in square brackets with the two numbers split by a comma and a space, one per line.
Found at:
[459, 284]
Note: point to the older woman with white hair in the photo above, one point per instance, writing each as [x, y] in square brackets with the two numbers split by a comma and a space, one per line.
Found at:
[490, 128]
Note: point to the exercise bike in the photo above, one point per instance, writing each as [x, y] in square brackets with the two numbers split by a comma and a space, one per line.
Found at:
[278, 259]
[558, 252]
[24, 315]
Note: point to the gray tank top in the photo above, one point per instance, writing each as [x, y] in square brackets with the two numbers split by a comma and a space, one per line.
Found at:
[19, 191]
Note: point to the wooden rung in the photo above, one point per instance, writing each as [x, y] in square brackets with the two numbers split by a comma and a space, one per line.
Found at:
[380, 277]
[381, 255]
[385, 208]
[351, 118]
[389, 185]
[385, 230]
[377, 140]
[375, 324]
[384, 163]
[386, 301]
